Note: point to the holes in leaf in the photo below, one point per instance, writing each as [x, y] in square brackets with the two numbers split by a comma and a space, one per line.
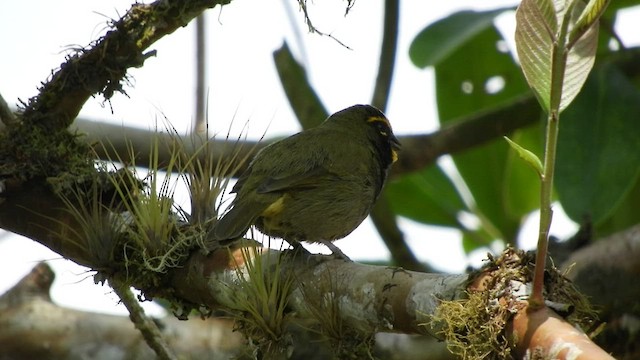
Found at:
[494, 85]
[502, 46]
[466, 87]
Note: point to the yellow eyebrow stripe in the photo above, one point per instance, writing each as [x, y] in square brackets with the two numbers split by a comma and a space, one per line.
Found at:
[379, 118]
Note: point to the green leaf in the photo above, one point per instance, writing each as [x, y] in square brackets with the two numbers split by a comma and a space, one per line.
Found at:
[463, 88]
[599, 147]
[427, 196]
[521, 192]
[580, 60]
[541, 38]
[623, 217]
[472, 240]
[491, 172]
[439, 40]
[622, 4]
[588, 18]
[530, 158]
[304, 100]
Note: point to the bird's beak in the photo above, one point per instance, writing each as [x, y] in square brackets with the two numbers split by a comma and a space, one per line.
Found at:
[395, 143]
[395, 147]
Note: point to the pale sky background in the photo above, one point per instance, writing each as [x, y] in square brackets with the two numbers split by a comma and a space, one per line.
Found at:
[242, 83]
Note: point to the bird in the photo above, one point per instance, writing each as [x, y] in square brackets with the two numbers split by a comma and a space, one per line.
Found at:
[316, 186]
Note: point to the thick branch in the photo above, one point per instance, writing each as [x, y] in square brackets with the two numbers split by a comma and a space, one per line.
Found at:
[372, 298]
[401, 299]
[28, 319]
[549, 336]
[606, 271]
[31, 210]
[418, 151]
[32, 327]
[388, 298]
[118, 142]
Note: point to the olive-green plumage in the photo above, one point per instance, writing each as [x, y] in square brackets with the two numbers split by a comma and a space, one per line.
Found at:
[317, 185]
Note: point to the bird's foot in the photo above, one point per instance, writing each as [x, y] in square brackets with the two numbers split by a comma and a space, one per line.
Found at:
[336, 252]
[297, 248]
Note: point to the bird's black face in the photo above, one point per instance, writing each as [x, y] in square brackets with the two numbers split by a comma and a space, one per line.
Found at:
[389, 142]
[377, 129]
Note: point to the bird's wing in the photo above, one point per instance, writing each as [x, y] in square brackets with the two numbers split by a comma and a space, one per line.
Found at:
[244, 212]
[307, 179]
[264, 182]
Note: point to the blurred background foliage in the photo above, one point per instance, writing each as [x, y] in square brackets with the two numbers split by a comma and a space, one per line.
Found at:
[482, 95]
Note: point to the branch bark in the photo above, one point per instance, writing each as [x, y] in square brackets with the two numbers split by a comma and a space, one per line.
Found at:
[29, 320]
[33, 327]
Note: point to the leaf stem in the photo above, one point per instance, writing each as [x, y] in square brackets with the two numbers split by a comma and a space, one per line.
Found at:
[546, 212]
[558, 67]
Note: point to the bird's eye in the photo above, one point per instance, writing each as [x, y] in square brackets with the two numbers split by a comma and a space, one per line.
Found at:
[381, 124]
[382, 128]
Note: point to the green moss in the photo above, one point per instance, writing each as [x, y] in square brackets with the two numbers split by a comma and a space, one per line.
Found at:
[33, 152]
[475, 328]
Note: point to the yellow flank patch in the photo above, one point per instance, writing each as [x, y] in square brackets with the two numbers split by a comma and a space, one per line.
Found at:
[394, 156]
[274, 209]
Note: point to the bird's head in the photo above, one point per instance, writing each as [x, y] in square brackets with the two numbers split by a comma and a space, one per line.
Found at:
[376, 126]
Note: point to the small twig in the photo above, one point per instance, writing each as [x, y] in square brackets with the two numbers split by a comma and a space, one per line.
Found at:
[313, 29]
[386, 224]
[383, 218]
[387, 55]
[147, 327]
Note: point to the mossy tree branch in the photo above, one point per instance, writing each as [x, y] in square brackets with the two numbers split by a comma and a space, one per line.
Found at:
[101, 68]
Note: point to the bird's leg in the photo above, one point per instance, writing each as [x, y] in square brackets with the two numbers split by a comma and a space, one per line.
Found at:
[299, 248]
[335, 250]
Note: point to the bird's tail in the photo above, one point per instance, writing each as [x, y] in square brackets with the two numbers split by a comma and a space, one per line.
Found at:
[233, 224]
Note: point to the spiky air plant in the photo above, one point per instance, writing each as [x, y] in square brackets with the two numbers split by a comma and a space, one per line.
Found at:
[98, 230]
[328, 317]
[139, 233]
[261, 301]
[153, 242]
[262, 289]
[206, 175]
[128, 221]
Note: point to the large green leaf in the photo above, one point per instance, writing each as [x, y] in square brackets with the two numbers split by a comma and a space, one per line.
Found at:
[557, 42]
[439, 40]
[427, 196]
[472, 240]
[599, 147]
[623, 217]
[609, 17]
[465, 79]
[493, 173]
